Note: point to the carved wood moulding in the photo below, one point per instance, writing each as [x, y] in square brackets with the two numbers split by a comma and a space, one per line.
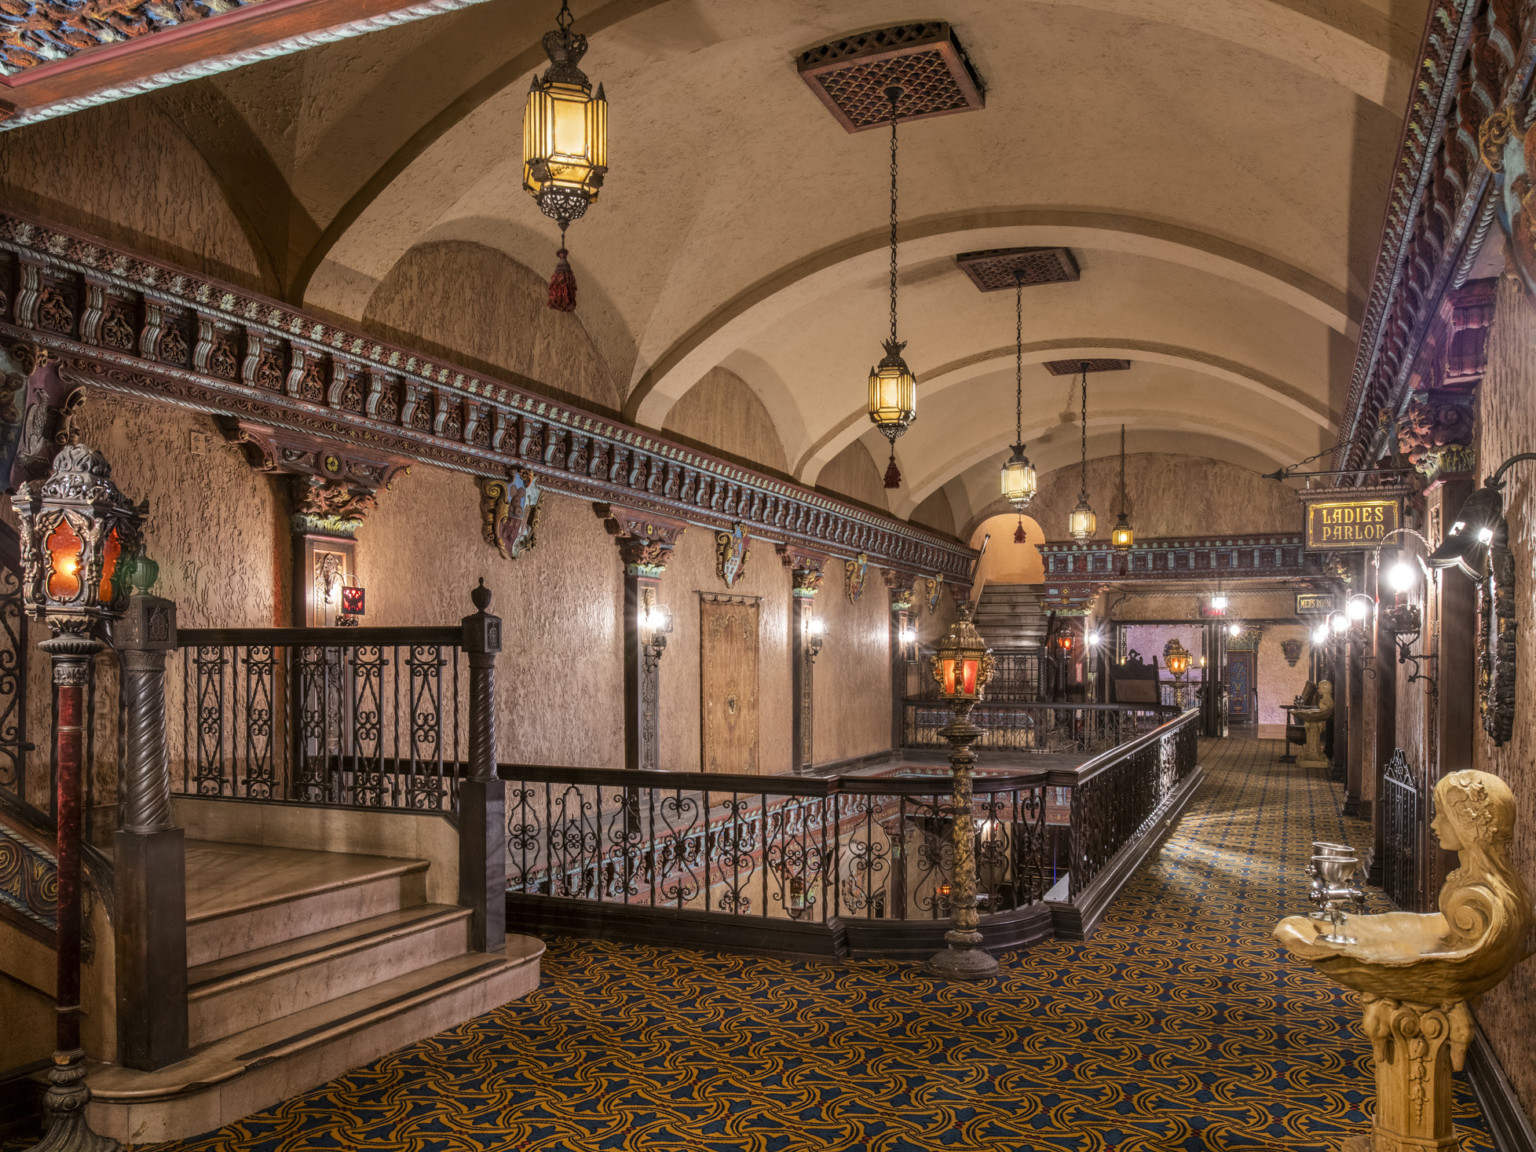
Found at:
[257, 360]
[1474, 57]
[58, 56]
[850, 75]
[1173, 559]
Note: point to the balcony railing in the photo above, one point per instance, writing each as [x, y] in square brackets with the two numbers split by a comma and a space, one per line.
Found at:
[1036, 727]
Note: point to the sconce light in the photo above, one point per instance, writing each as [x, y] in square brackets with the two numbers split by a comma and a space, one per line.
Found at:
[815, 635]
[1178, 660]
[1320, 634]
[1094, 639]
[353, 601]
[1359, 607]
[1219, 602]
[655, 626]
[907, 635]
[1476, 526]
[1064, 642]
[1403, 618]
[1234, 629]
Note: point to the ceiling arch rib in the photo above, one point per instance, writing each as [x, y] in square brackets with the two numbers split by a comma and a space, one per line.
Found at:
[846, 267]
[972, 368]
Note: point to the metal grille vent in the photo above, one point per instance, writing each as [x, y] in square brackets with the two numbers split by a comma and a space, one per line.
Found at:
[850, 75]
[993, 270]
[1073, 367]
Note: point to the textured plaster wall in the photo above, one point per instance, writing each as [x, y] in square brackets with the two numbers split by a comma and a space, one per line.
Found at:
[1167, 495]
[853, 680]
[479, 307]
[560, 676]
[853, 473]
[722, 414]
[1006, 562]
[125, 172]
[1507, 424]
[1279, 683]
[936, 512]
[691, 571]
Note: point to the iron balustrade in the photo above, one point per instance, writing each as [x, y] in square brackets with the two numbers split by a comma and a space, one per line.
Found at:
[1403, 834]
[1033, 727]
[357, 717]
[1119, 795]
[1015, 675]
[818, 848]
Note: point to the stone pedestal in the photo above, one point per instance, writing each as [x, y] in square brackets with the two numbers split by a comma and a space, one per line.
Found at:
[1314, 755]
[1415, 1047]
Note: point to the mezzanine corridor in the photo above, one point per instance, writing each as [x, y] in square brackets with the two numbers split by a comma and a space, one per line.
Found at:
[1176, 1026]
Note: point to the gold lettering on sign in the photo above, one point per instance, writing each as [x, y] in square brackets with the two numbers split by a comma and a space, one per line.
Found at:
[1344, 524]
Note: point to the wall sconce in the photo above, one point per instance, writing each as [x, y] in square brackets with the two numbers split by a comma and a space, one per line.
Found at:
[655, 626]
[1219, 602]
[1403, 618]
[907, 635]
[815, 635]
[1234, 629]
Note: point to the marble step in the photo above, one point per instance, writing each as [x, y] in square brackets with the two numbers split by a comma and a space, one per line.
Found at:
[255, 1069]
[243, 897]
[251, 988]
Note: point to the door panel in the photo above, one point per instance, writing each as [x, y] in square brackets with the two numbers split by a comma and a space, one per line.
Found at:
[1240, 685]
[728, 685]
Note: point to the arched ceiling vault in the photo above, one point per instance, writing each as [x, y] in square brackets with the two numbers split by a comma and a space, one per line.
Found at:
[1216, 169]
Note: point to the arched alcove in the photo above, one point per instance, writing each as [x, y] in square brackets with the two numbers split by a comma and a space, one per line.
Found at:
[1006, 562]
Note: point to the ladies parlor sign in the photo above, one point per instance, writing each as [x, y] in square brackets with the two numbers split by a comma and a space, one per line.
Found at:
[1349, 519]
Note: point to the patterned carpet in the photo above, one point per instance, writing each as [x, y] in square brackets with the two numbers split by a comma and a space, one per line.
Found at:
[1177, 1026]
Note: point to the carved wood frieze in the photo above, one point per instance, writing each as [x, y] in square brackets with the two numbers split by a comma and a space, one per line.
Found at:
[1475, 57]
[297, 372]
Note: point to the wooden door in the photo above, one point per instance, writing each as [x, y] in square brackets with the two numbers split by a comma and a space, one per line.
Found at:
[1241, 685]
[728, 685]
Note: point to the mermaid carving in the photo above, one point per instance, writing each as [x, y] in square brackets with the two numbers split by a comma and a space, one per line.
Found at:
[1416, 972]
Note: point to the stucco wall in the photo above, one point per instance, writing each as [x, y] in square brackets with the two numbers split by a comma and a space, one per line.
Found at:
[722, 414]
[126, 173]
[853, 473]
[1278, 682]
[479, 307]
[853, 679]
[936, 512]
[1506, 425]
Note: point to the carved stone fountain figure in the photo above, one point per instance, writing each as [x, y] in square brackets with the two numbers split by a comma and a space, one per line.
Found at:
[1416, 973]
[1316, 722]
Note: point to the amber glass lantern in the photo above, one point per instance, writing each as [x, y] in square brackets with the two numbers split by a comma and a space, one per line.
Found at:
[1082, 523]
[1178, 660]
[1064, 642]
[565, 130]
[1019, 480]
[892, 392]
[80, 539]
[1121, 536]
[962, 665]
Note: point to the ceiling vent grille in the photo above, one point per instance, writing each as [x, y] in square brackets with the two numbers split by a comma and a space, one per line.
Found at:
[993, 270]
[850, 75]
[1073, 367]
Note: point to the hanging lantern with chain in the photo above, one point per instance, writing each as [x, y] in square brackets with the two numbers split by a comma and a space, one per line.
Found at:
[892, 387]
[565, 144]
[1082, 523]
[1122, 536]
[1019, 481]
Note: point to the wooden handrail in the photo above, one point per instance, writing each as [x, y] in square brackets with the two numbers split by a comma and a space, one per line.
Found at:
[427, 637]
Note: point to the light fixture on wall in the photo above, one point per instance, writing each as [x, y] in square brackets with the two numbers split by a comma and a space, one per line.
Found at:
[815, 635]
[908, 639]
[1082, 523]
[655, 626]
[1121, 536]
[565, 144]
[892, 387]
[1403, 617]
[1019, 480]
[1234, 629]
[1218, 601]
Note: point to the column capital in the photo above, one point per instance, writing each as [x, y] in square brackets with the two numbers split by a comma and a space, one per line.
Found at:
[645, 539]
[806, 569]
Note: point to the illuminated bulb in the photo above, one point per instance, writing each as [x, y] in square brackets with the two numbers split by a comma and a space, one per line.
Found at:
[1400, 576]
[1484, 535]
[816, 626]
[1234, 630]
[1358, 607]
[68, 565]
[1320, 634]
[1219, 602]
[1093, 638]
[1338, 622]
[908, 636]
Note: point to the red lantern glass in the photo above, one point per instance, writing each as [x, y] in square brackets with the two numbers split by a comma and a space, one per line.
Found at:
[352, 601]
[63, 562]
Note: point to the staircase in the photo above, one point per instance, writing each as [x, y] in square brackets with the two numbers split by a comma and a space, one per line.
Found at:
[300, 966]
[1010, 617]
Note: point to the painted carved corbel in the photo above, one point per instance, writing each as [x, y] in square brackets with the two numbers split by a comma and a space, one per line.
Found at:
[509, 510]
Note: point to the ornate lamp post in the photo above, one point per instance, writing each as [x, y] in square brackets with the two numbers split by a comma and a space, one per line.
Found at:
[1178, 664]
[80, 540]
[962, 666]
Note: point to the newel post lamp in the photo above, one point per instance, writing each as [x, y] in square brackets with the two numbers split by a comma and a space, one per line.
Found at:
[962, 665]
[80, 540]
[1178, 658]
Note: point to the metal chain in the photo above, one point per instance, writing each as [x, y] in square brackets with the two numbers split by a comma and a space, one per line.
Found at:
[1084, 423]
[1122, 469]
[895, 94]
[1018, 356]
[565, 19]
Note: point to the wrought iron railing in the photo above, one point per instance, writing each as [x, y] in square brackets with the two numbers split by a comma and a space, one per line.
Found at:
[1403, 831]
[1015, 675]
[1037, 727]
[1118, 795]
[817, 849]
[359, 717]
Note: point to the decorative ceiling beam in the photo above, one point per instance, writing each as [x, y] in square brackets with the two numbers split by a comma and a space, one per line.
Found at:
[114, 319]
[1475, 56]
[57, 58]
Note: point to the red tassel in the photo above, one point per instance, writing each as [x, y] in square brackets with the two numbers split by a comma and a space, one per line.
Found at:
[562, 285]
[892, 473]
[1018, 533]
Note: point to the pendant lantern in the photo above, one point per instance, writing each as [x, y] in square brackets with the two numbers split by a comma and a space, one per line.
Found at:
[892, 387]
[1018, 479]
[1082, 523]
[1121, 536]
[565, 144]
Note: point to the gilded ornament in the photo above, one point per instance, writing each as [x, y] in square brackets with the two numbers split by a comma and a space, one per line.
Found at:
[509, 509]
[731, 553]
[855, 572]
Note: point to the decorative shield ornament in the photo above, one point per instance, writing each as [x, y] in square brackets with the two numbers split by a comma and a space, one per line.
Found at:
[731, 552]
[1507, 144]
[510, 508]
[855, 571]
[1291, 649]
[935, 590]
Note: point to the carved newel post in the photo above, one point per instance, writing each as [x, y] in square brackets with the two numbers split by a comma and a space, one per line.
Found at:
[1416, 973]
[80, 537]
[482, 793]
[150, 867]
[962, 666]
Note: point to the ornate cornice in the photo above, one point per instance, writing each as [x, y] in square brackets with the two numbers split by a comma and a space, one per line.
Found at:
[1193, 558]
[1472, 59]
[120, 321]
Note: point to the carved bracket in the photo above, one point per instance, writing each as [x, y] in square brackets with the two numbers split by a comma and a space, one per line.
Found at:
[510, 512]
[806, 570]
[645, 540]
[732, 549]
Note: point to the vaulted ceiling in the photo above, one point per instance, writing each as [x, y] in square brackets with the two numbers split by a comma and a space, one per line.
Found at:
[1217, 170]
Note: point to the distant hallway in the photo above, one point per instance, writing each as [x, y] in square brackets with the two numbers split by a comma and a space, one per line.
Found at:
[1176, 1026]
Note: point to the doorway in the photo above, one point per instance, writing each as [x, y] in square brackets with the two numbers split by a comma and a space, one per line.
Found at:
[1242, 687]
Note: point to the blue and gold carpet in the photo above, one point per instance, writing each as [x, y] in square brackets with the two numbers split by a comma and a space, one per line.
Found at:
[1177, 1026]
